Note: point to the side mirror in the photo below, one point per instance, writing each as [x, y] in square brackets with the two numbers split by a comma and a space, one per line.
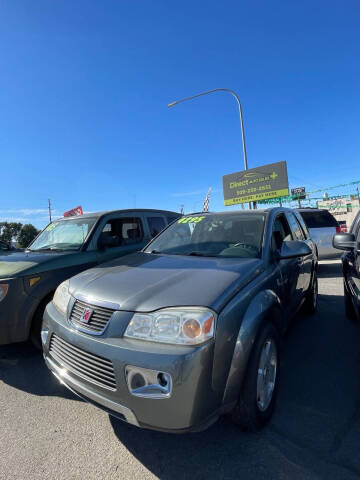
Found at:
[293, 249]
[107, 241]
[344, 241]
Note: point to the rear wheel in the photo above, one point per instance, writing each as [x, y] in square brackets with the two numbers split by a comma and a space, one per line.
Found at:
[257, 399]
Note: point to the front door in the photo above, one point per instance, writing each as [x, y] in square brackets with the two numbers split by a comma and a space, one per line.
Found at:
[290, 269]
[305, 262]
[126, 236]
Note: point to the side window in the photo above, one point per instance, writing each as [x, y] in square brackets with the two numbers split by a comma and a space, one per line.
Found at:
[295, 227]
[122, 231]
[156, 224]
[108, 227]
[131, 230]
[303, 226]
[171, 219]
[281, 232]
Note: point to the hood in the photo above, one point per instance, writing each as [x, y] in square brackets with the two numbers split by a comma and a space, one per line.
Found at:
[144, 282]
[29, 263]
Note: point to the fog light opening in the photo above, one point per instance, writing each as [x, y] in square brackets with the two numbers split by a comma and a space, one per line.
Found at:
[146, 383]
[163, 379]
[137, 380]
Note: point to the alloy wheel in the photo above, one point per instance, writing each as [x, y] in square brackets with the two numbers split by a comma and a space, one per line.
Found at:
[266, 377]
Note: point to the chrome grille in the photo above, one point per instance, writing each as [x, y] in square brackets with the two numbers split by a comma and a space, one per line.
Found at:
[91, 367]
[98, 320]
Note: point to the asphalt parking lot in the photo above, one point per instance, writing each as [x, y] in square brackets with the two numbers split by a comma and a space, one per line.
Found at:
[45, 432]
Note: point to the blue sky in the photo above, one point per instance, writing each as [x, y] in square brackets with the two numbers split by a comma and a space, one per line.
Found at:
[84, 87]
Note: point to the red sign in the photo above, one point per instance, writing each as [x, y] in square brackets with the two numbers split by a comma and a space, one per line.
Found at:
[75, 211]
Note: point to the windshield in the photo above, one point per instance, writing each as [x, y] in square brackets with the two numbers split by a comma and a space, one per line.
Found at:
[64, 235]
[216, 235]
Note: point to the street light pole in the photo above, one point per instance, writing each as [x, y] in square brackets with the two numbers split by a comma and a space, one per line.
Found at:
[49, 206]
[172, 104]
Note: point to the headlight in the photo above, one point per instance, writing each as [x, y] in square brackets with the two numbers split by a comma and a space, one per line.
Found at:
[62, 297]
[4, 287]
[185, 326]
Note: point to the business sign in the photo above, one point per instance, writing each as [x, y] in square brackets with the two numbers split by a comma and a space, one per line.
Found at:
[299, 193]
[337, 206]
[75, 211]
[260, 183]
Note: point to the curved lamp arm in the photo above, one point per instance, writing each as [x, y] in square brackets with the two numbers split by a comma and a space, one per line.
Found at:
[172, 104]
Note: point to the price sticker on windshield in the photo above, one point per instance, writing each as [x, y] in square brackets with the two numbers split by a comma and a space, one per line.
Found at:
[50, 227]
[190, 219]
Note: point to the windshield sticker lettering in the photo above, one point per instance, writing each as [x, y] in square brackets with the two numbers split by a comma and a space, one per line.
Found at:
[50, 227]
[190, 219]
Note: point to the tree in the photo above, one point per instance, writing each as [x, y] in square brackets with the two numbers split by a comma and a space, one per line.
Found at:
[27, 235]
[10, 231]
[3, 231]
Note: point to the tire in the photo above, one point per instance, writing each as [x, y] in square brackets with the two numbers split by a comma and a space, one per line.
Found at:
[311, 301]
[253, 409]
[349, 306]
[35, 330]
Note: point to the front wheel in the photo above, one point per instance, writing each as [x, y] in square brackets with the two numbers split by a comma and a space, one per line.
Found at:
[35, 330]
[257, 399]
[311, 301]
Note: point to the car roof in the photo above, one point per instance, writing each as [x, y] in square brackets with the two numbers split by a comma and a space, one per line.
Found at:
[169, 212]
[309, 209]
[127, 210]
[242, 212]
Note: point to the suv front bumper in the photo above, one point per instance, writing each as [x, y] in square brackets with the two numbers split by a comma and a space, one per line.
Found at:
[193, 404]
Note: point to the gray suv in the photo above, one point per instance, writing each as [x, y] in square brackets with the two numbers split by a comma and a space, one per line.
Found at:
[322, 227]
[172, 337]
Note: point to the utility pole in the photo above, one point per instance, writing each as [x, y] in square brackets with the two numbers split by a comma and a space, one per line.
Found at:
[49, 205]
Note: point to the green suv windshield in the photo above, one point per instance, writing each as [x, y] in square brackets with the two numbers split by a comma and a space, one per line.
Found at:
[213, 235]
[63, 235]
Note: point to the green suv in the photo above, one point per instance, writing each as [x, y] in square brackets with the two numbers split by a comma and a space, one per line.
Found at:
[63, 249]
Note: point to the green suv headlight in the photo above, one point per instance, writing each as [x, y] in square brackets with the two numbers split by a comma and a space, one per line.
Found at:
[178, 325]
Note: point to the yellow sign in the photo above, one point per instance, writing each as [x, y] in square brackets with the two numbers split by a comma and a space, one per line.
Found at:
[190, 219]
[261, 183]
[50, 227]
[257, 196]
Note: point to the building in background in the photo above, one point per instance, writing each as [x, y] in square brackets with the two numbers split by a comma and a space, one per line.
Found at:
[343, 208]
